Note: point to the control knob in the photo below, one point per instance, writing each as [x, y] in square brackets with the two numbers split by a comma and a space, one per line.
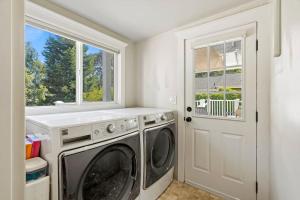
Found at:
[96, 132]
[163, 117]
[111, 128]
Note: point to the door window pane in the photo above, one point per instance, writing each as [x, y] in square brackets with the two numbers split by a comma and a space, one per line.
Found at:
[216, 66]
[98, 74]
[216, 104]
[201, 80]
[50, 68]
[218, 80]
[201, 69]
[234, 80]
[234, 71]
[233, 105]
[233, 54]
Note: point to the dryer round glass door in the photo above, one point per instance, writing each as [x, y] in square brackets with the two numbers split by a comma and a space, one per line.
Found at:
[162, 150]
[110, 175]
[159, 153]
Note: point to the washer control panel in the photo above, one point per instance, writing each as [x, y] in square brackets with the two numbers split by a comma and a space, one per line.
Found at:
[158, 118]
[112, 129]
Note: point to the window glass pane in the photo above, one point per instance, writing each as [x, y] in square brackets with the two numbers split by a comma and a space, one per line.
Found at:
[234, 71]
[216, 74]
[234, 80]
[201, 60]
[233, 54]
[234, 66]
[216, 104]
[201, 69]
[201, 80]
[233, 105]
[50, 68]
[201, 103]
[98, 74]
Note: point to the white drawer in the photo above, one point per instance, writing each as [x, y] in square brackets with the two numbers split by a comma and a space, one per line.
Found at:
[38, 189]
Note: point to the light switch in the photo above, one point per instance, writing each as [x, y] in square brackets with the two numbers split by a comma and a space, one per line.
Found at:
[173, 100]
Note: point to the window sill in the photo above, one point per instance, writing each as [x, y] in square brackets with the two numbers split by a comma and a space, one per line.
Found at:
[65, 108]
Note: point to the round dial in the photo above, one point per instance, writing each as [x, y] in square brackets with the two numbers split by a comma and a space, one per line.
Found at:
[111, 128]
[96, 132]
[163, 117]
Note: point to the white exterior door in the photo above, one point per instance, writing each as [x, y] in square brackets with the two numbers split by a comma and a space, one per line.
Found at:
[221, 113]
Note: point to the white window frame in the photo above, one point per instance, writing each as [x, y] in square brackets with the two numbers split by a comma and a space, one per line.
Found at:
[43, 18]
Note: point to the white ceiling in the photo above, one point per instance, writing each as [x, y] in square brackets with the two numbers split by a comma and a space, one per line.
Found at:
[140, 19]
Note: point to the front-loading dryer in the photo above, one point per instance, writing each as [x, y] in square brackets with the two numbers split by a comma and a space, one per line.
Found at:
[159, 151]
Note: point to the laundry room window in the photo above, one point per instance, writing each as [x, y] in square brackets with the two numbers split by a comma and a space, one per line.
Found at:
[50, 73]
[65, 70]
[98, 74]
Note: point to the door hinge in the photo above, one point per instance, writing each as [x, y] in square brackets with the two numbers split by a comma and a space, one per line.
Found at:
[256, 116]
[256, 45]
[256, 187]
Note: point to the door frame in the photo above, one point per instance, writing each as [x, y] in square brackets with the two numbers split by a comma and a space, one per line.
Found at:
[12, 116]
[260, 15]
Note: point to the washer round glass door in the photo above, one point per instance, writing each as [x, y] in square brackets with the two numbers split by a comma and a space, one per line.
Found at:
[110, 175]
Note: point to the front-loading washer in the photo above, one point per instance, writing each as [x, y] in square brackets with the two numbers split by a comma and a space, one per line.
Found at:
[159, 151]
[91, 155]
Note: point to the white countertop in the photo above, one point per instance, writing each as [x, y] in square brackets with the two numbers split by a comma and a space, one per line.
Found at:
[80, 118]
[138, 111]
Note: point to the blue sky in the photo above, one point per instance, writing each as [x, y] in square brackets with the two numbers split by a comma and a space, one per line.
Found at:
[38, 37]
[92, 49]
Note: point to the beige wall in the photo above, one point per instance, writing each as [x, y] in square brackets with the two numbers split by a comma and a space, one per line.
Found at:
[285, 109]
[130, 77]
[156, 62]
[12, 100]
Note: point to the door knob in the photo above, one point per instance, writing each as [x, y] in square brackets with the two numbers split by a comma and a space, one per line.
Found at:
[188, 119]
[189, 109]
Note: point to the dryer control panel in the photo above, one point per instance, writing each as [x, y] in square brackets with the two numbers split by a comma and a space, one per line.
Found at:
[158, 118]
[111, 129]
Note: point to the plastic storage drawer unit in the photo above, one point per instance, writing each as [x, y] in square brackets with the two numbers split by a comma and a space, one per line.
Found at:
[38, 189]
[35, 168]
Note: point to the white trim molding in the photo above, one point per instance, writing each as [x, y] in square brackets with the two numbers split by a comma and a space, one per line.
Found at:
[277, 28]
[12, 122]
[244, 7]
[260, 15]
[51, 19]
[47, 19]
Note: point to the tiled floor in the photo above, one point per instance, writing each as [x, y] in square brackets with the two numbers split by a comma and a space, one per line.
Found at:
[182, 191]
